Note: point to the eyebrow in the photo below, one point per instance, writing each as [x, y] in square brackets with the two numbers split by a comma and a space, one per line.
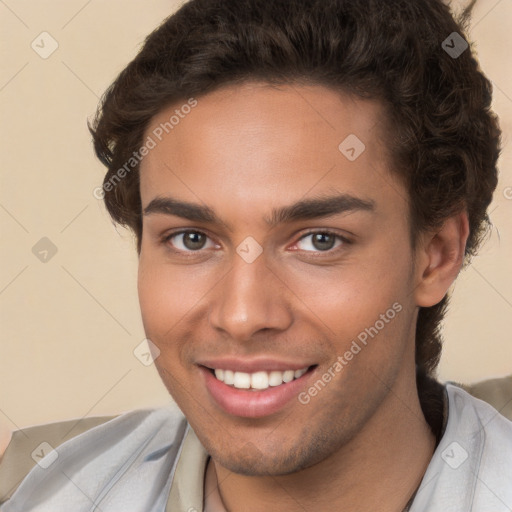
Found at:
[302, 210]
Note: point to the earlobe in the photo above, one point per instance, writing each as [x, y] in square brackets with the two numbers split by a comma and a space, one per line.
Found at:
[439, 258]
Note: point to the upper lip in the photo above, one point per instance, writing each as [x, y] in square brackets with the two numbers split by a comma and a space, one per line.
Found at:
[252, 365]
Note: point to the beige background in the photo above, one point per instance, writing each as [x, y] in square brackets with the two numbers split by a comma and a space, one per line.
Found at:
[70, 325]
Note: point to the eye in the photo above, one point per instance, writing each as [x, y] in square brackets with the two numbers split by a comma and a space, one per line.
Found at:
[321, 241]
[188, 241]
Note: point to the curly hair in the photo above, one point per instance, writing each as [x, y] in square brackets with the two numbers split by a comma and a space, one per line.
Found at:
[445, 140]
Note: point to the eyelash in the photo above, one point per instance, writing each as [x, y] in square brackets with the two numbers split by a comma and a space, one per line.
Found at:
[345, 241]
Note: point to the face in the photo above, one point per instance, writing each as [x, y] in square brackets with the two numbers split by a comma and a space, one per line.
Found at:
[276, 273]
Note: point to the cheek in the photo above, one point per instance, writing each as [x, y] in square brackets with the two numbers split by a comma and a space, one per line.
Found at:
[171, 297]
[163, 303]
[162, 296]
[349, 297]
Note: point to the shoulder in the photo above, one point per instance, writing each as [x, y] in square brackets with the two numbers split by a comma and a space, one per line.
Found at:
[29, 444]
[480, 413]
[476, 453]
[472, 466]
[497, 392]
[477, 419]
[482, 426]
[487, 435]
[43, 451]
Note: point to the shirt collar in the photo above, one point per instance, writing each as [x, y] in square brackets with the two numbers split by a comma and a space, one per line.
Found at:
[450, 480]
[187, 489]
[461, 427]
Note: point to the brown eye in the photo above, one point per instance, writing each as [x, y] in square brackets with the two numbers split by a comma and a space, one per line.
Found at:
[323, 241]
[188, 241]
[320, 241]
[194, 240]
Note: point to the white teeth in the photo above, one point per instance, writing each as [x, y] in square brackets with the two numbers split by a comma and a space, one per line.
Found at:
[229, 377]
[275, 378]
[288, 375]
[242, 380]
[258, 380]
[300, 373]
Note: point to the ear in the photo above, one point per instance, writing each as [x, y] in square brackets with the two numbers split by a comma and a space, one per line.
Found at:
[438, 259]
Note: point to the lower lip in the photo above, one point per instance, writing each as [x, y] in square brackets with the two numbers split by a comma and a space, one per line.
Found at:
[252, 404]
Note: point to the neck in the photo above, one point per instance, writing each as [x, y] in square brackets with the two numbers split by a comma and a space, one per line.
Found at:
[378, 469]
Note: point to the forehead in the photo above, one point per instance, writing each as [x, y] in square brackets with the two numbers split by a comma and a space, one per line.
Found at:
[254, 143]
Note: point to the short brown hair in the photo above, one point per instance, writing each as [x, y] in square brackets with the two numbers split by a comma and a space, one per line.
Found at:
[444, 142]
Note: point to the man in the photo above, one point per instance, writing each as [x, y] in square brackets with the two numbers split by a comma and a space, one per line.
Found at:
[305, 180]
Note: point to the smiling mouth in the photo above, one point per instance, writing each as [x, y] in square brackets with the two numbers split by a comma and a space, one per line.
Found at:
[258, 381]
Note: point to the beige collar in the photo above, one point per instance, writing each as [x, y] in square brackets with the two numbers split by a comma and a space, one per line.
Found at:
[191, 477]
[195, 485]
[187, 489]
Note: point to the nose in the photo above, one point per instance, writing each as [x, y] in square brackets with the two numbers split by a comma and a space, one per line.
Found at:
[250, 298]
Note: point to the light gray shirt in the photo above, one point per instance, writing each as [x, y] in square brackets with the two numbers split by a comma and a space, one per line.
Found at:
[152, 461]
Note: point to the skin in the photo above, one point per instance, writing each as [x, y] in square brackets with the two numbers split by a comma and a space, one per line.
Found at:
[362, 441]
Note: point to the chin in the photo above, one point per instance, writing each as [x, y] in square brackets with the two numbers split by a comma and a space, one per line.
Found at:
[250, 460]
[259, 466]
